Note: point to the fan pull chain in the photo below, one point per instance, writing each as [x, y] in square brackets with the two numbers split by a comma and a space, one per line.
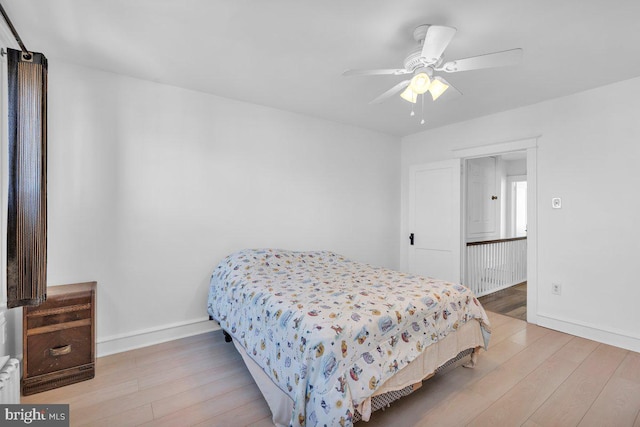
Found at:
[422, 121]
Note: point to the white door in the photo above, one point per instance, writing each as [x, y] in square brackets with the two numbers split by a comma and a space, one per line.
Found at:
[434, 220]
[482, 200]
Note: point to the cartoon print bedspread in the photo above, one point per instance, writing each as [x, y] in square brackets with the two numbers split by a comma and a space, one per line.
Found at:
[329, 330]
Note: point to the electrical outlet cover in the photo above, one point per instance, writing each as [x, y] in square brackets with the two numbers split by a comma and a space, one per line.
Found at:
[556, 203]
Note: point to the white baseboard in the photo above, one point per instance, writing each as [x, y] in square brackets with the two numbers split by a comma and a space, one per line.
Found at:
[146, 337]
[590, 331]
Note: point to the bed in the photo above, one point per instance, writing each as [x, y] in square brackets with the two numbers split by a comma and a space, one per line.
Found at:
[324, 336]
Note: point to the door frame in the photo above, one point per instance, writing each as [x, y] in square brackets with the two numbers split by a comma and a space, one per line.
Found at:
[530, 145]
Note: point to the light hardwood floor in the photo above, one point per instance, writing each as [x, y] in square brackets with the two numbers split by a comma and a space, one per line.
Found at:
[531, 376]
[511, 301]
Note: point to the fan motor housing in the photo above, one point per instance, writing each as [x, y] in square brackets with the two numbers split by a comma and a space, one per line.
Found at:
[414, 60]
[420, 33]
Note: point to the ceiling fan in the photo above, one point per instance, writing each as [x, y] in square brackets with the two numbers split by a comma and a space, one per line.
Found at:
[424, 61]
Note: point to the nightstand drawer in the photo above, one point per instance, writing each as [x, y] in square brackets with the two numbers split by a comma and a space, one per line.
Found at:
[58, 316]
[60, 349]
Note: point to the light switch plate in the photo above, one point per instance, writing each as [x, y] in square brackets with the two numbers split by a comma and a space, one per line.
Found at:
[556, 203]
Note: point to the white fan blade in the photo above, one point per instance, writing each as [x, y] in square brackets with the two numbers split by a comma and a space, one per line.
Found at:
[436, 41]
[389, 71]
[497, 59]
[397, 88]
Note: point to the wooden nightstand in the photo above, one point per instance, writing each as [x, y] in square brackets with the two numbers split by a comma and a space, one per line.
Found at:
[59, 338]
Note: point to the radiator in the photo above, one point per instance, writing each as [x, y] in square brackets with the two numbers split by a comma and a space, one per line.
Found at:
[9, 381]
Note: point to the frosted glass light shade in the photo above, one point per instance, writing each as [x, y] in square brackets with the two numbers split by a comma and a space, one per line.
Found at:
[437, 88]
[420, 83]
[409, 95]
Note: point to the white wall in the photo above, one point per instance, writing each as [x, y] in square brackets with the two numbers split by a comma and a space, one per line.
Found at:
[151, 185]
[588, 154]
[515, 167]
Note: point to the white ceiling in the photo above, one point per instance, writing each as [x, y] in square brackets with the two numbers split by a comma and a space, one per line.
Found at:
[290, 54]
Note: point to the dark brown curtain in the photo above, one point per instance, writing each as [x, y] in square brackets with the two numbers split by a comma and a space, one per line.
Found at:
[27, 161]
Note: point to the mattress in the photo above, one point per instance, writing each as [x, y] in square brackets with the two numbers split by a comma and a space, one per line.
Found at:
[328, 331]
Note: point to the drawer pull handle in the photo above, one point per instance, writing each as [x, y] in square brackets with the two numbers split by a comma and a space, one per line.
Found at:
[60, 351]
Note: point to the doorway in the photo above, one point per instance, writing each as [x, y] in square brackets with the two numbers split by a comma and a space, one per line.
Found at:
[495, 237]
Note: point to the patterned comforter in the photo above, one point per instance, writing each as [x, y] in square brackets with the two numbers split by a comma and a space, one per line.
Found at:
[328, 330]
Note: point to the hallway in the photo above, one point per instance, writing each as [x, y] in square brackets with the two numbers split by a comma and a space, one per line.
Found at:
[511, 302]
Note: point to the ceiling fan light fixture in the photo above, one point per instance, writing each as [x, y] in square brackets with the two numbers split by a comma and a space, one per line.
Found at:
[424, 60]
[409, 95]
[437, 88]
